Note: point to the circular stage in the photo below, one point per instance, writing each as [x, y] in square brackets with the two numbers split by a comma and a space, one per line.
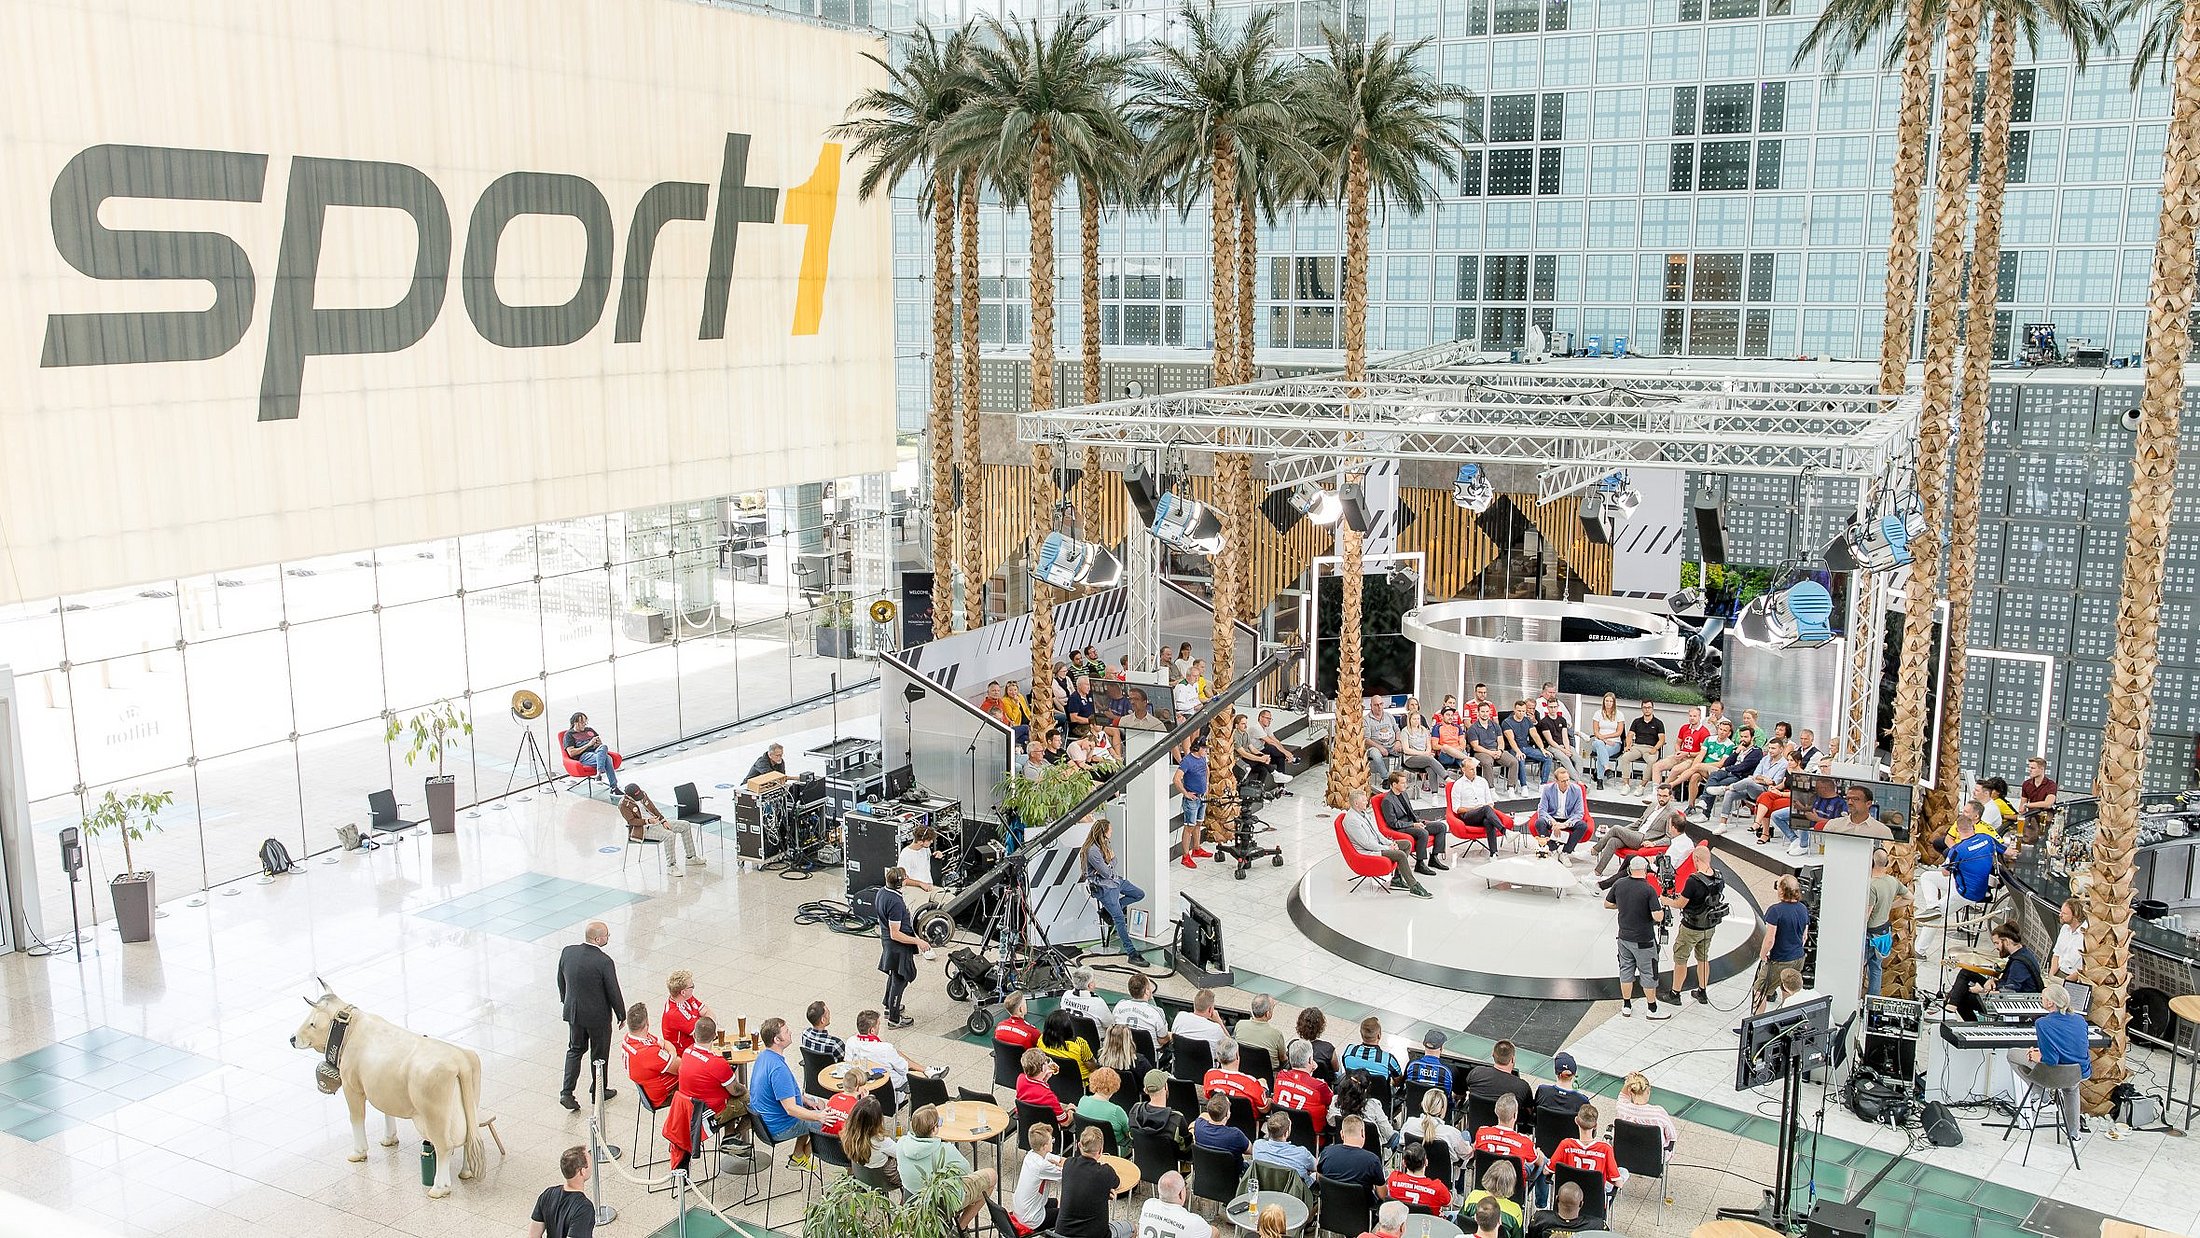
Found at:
[1506, 941]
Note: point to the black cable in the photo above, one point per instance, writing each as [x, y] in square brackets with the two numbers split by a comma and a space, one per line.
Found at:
[836, 916]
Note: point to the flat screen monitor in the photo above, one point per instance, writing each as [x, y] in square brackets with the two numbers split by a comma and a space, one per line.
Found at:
[1801, 1034]
[1886, 806]
[1199, 938]
[898, 781]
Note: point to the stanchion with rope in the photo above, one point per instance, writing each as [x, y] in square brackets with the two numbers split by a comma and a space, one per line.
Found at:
[601, 1153]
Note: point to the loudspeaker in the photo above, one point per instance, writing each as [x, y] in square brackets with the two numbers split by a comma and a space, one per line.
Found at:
[984, 1018]
[1592, 523]
[1138, 482]
[1940, 1125]
[1832, 1220]
[1710, 525]
[1354, 500]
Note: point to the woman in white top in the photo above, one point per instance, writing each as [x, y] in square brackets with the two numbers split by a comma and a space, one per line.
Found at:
[2068, 954]
[1431, 1127]
[1634, 1106]
[1606, 736]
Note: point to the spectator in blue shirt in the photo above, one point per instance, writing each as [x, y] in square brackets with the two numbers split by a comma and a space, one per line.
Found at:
[1429, 1070]
[1826, 804]
[1191, 783]
[1520, 738]
[777, 1100]
[1213, 1131]
[1971, 856]
[1369, 1055]
[1274, 1147]
[1789, 921]
[2061, 1041]
[1347, 1160]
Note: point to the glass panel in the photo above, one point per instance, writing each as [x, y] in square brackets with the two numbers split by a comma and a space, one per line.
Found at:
[244, 799]
[172, 854]
[1554, 117]
[504, 557]
[1757, 340]
[1676, 277]
[1512, 118]
[119, 621]
[30, 632]
[1718, 277]
[339, 768]
[583, 691]
[1549, 166]
[570, 545]
[1713, 332]
[1768, 165]
[227, 603]
[240, 692]
[130, 715]
[503, 635]
[332, 585]
[1681, 177]
[416, 572]
[707, 686]
[766, 673]
[648, 699]
[49, 733]
[1726, 109]
[1517, 16]
[429, 648]
[336, 672]
[1509, 171]
[576, 619]
[1722, 10]
[1772, 107]
[1684, 110]
[1725, 166]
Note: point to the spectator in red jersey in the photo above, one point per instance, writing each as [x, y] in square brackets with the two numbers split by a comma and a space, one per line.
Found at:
[707, 1079]
[1297, 1088]
[1411, 1185]
[1507, 1139]
[1031, 1085]
[1013, 1029]
[653, 1070]
[842, 1103]
[682, 1010]
[1586, 1151]
[1227, 1079]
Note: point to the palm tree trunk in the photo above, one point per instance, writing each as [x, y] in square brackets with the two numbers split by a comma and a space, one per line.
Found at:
[1347, 741]
[1912, 127]
[1088, 257]
[1042, 397]
[1951, 203]
[939, 426]
[1224, 275]
[1222, 768]
[1248, 249]
[1978, 358]
[973, 553]
[2139, 606]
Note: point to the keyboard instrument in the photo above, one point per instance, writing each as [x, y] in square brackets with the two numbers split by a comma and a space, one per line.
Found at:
[1996, 1036]
[2013, 1007]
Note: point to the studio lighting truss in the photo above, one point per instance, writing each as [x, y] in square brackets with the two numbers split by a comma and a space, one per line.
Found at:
[1317, 503]
[1186, 524]
[1620, 499]
[1796, 617]
[1471, 489]
[1881, 543]
[1076, 567]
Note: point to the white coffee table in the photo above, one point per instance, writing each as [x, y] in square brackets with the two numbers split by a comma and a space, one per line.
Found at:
[1531, 871]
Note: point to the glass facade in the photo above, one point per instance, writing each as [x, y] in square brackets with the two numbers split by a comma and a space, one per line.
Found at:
[1663, 171]
[260, 696]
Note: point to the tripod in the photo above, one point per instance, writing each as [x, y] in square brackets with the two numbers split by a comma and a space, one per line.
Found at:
[1008, 934]
[1244, 846]
[528, 754]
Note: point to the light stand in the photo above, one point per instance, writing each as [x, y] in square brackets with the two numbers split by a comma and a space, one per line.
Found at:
[527, 756]
[1775, 1212]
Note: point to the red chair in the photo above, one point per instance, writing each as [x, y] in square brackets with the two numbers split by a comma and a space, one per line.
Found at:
[1471, 833]
[1375, 810]
[582, 773]
[1588, 820]
[1363, 866]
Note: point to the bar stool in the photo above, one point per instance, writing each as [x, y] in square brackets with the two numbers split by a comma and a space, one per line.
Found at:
[2186, 1010]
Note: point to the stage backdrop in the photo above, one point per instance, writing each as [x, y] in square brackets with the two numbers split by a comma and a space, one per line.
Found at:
[283, 279]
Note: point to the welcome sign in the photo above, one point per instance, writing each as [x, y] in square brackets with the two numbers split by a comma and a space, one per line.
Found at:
[292, 279]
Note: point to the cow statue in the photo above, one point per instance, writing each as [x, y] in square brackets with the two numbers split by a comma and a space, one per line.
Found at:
[376, 1062]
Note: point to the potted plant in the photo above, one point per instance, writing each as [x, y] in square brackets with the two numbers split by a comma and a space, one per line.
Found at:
[433, 731]
[645, 624]
[848, 1209]
[132, 816]
[836, 627]
[1042, 801]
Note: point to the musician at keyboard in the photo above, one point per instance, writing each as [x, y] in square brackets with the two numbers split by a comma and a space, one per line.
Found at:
[2020, 973]
[774, 761]
[2061, 1041]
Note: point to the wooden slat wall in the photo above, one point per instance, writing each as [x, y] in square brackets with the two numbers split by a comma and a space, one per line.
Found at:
[1559, 521]
[1457, 548]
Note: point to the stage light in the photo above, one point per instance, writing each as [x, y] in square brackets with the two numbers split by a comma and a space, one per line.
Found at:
[1076, 567]
[1187, 525]
[1317, 504]
[1880, 544]
[1620, 499]
[1792, 618]
[1684, 600]
[1354, 501]
[1401, 578]
[1471, 489]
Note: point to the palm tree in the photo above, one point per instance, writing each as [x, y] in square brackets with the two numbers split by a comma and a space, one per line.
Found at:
[1108, 175]
[1040, 107]
[2139, 605]
[973, 554]
[897, 128]
[1375, 122]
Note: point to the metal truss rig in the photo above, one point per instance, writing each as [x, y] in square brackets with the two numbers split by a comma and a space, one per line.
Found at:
[1574, 425]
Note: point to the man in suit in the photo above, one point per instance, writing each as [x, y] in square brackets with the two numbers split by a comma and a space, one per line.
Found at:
[588, 989]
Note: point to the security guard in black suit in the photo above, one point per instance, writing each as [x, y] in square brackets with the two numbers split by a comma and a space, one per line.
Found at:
[588, 991]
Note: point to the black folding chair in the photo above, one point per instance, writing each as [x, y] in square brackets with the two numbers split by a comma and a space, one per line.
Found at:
[1068, 1087]
[1551, 1130]
[1078, 1122]
[1302, 1129]
[1245, 1117]
[828, 1150]
[1147, 1047]
[1257, 1062]
[1087, 1029]
[1008, 1062]
[924, 1091]
[1155, 1154]
[382, 815]
[1029, 1115]
[1346, 1208]
[1484, 1158]
[1639, 1148]
[1439, 1159]
[1215, 1174]
[1413, 1094]
[1184, 1098]
[1593, 1203]
[1190, 1058]
[1480, 1113]
[812, 1063]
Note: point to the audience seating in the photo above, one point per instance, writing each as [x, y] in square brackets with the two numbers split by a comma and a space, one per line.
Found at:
[812, 1064]
[1551, 1130]
[1484, 1158]
[1184, 1098]
[1079, 1122]
[1594, 1202]
[1363, 867]
[1480, 1113]
[1471, 833]
[1008, 1062]
[1257, 1062]
[382, 815]
[1154, 1154]
[1413, 1094]
[924, 1091]
[1029, 1115]
[1439, 1159]
[1190, 1059]
[1345, 1208]
[874, 1178]
[1087, 1030]
[829, 1151]
[1639, 1148]
[1068, 1087]
[580, 774]
[1215, 1174]
[1147, 1048]
[1245, 1117]
[1302, 1129]
[626, 853]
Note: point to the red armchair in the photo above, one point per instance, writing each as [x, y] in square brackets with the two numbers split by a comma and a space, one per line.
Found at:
[574, 769]
[1375, 810]
[1471, 833]
[1588, 821]
[1363, 866]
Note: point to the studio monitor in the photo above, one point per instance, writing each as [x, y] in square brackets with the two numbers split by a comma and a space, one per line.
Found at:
[1940, 1125]
[1832, 1220]
[1710, 525]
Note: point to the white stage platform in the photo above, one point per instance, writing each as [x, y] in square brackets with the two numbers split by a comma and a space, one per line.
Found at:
[1503, 941]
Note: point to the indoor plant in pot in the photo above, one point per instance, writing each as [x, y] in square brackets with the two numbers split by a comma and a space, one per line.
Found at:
[836, 627]
[1042, 801]
[132, 816]
[433, 731]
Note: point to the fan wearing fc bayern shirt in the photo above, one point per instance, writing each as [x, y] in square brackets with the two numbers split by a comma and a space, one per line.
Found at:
[1585, 1151]
[1227, 1080]
[682, 1009]
[1410, 1184]
[654, 1070]
[1507, 1139]
[1013, 1030]
[1297, 1088]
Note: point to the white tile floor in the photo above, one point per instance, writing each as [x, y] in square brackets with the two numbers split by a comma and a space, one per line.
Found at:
[252, 1148]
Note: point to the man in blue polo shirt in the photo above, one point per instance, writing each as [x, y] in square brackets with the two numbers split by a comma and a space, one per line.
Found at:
[777, 1100]
[2060, 1041]
[1971, 856]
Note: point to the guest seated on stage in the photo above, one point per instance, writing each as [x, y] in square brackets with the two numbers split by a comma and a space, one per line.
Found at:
[1472, 801]
[1562, 811]
[1199, 1022]
[1099, 1104]
[1353, 1099]
[1255, 765]
[1736, 767]
[1031, 1084]
[1688, 741]
[1428, 844]
[1661, 823]
[1013, 1029]
[1225, 1078]
[1564, 1216]
[1084, 998]
[1498, 1184]
[1381, 734]
[1971, 856]
[1554, 733]
[1486, 745]
[774, 761]
[1348, 1160]
[1016, 711]
[2020, 973]
[644, 823]
[1362, 836]
[992, 706]
[1448, 736]
[1274, 1147]
[2000, 816]
[1280, 755]
[1212, 1130]
[683, 1009]
[654, 1069]
[1585, 1151]
[1297, 1088]
[1635, 1106]
[584, 747]
[1417, 749]
[1686, 780]
[1410, 1184]
[1062, 1043]
[867, 1047]
[708, 1081]
[1370, 1055]
[1429, 1068]
[1153, 1115]
[2036, 797]
[1645, 745]
[1770, 775]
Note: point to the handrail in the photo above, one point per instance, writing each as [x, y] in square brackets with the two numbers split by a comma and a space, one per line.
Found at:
[1116, 782]
[934, 689]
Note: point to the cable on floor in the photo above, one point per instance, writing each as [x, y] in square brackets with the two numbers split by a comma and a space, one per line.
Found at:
[834, 915]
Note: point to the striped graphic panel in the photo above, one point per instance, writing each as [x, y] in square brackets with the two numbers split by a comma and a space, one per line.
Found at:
[1559, 521]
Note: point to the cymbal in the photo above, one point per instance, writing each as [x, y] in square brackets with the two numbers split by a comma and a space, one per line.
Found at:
[526, 705]
[882, 611]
